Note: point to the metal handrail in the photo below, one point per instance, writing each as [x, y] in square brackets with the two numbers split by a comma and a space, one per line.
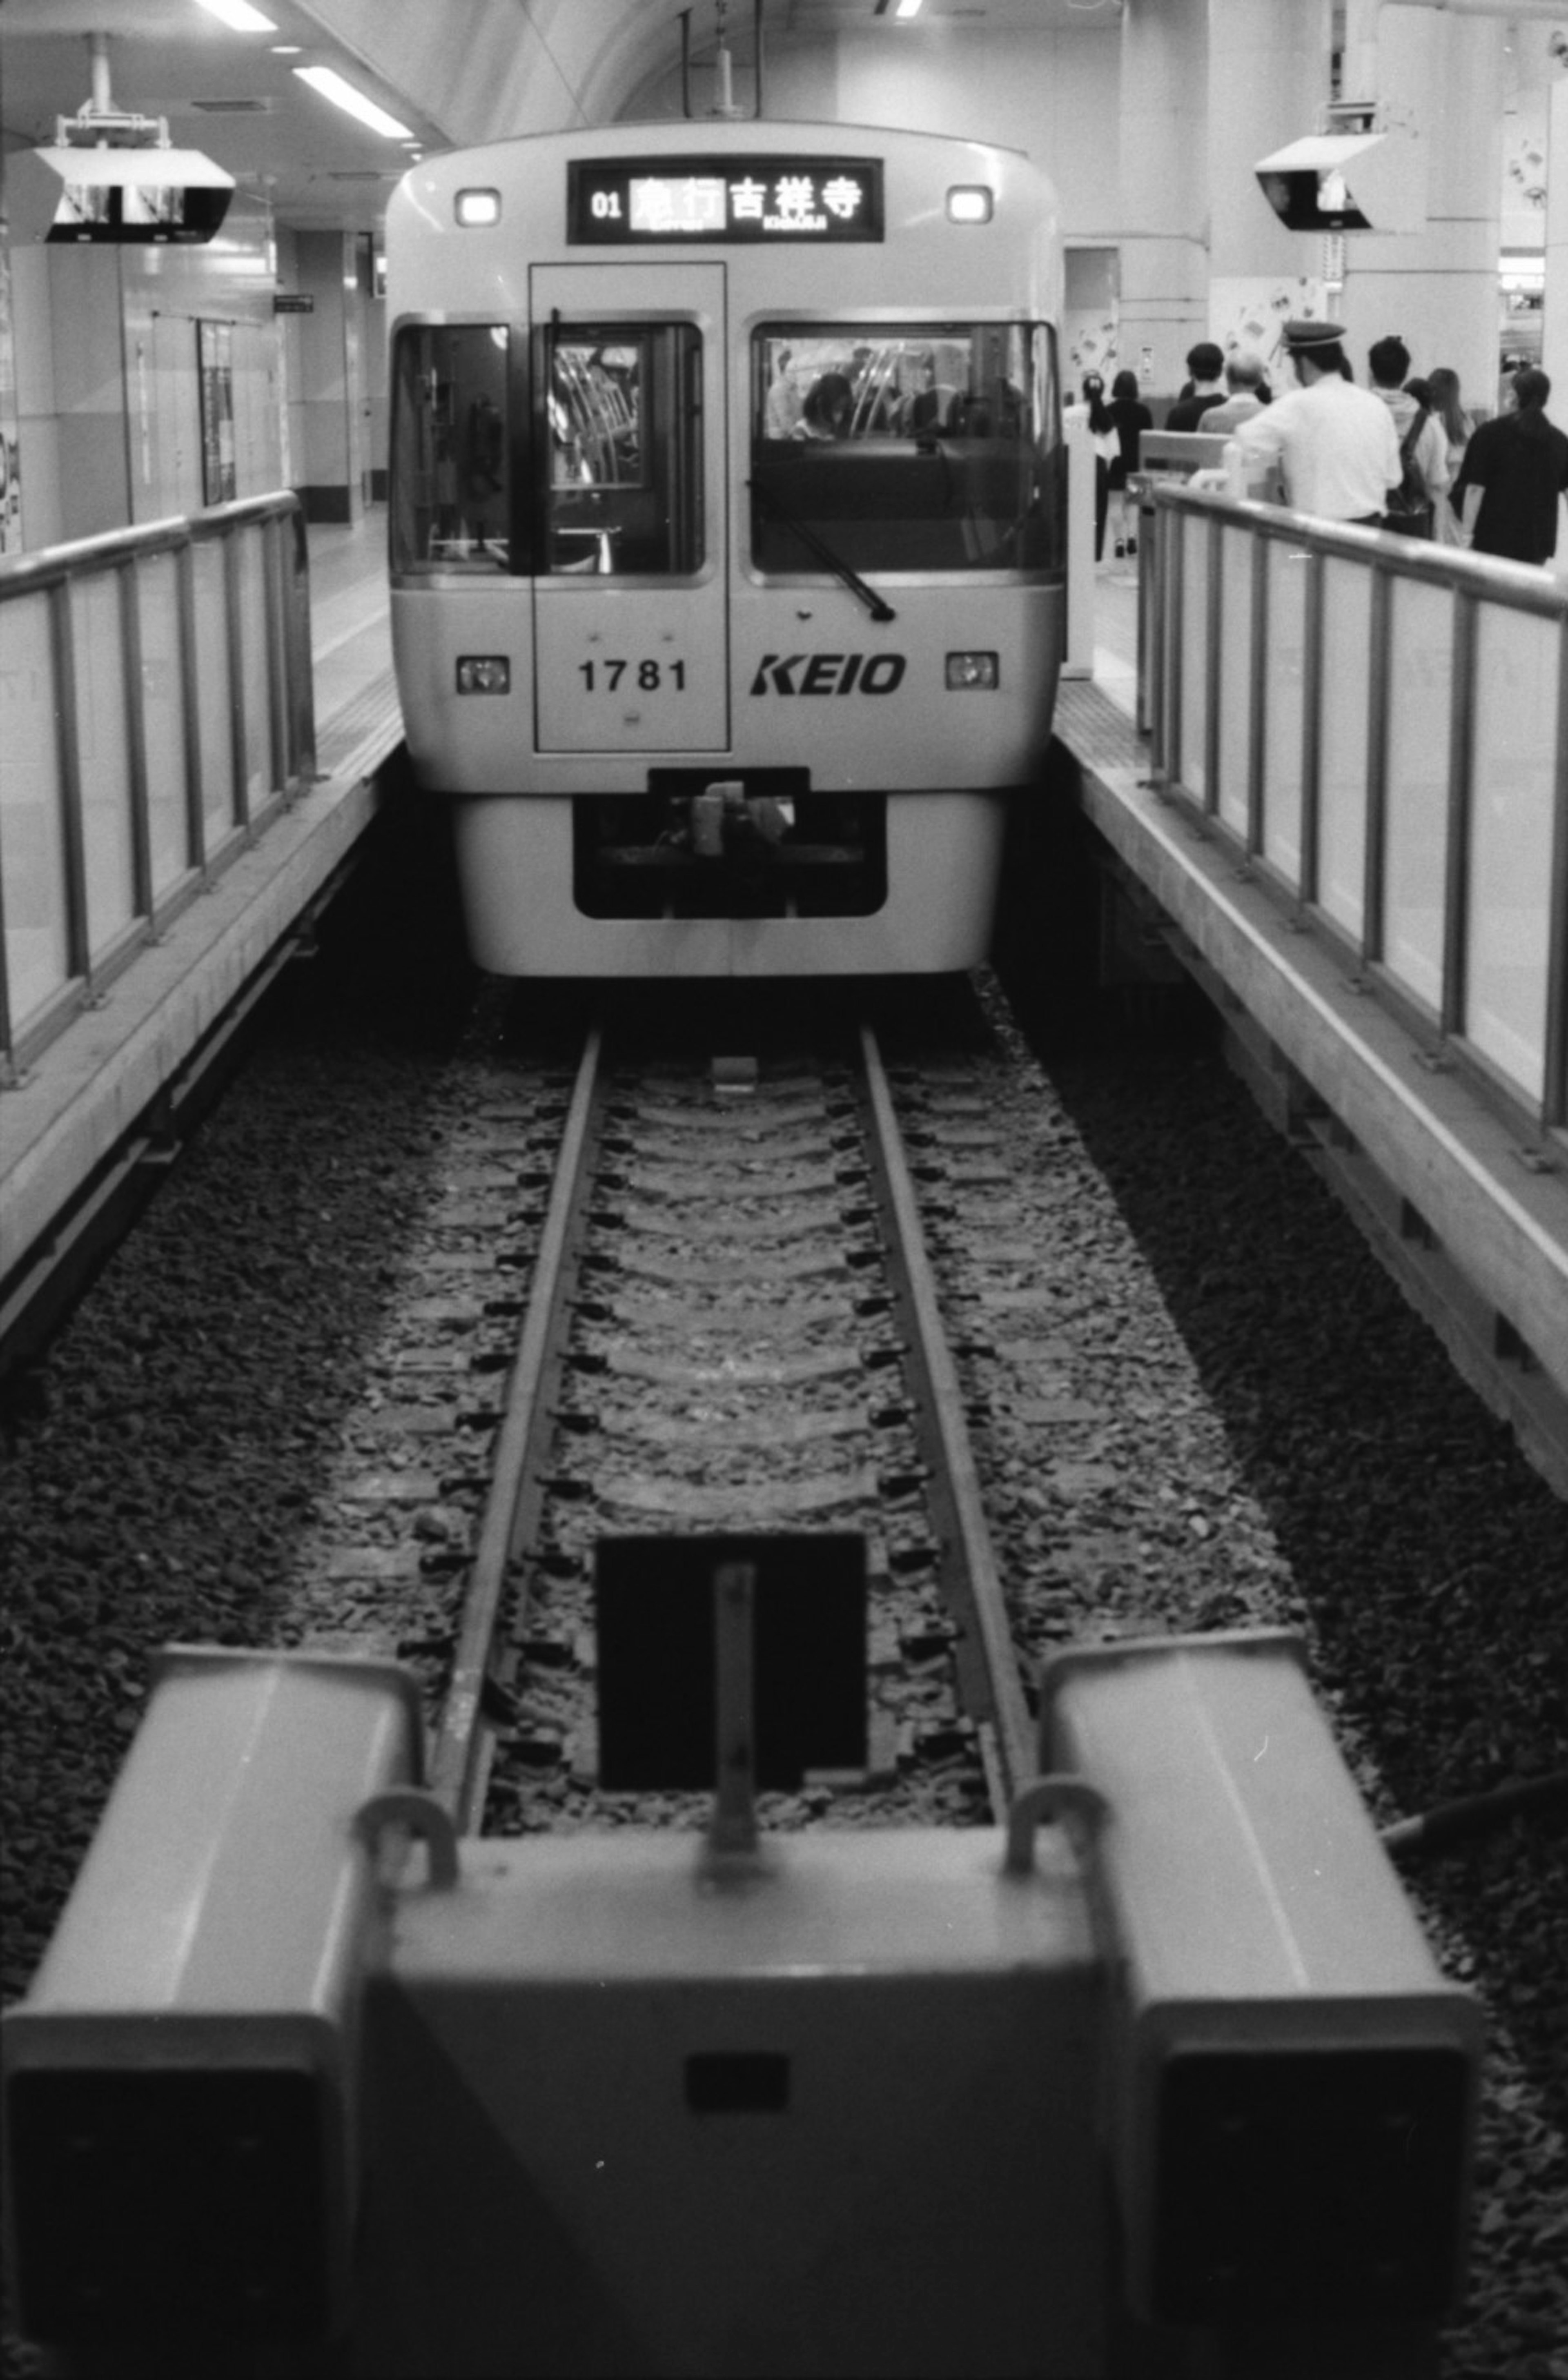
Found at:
[1477, 586]
[278, 745]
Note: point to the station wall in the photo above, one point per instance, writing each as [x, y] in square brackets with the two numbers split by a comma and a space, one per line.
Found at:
[1053, 94]
[147, 379]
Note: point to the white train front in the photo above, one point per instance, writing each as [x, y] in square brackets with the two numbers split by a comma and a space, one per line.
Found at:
[727, 539]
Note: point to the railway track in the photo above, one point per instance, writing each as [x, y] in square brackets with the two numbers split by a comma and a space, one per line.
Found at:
[731, 1325]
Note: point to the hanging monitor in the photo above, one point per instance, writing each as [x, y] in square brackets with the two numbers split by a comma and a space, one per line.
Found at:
[69, 196]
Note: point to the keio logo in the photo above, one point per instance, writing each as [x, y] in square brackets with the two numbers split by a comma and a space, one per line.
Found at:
[828, 674]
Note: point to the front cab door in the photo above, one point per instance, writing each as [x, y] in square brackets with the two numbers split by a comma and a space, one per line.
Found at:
[630, 627]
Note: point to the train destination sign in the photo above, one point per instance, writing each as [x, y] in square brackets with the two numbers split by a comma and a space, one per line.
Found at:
[636, 201]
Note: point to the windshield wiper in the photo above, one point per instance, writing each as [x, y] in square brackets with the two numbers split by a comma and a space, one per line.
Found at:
[767, 501]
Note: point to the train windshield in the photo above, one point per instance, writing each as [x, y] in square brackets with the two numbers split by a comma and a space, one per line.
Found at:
[452, 448]
[925, 448]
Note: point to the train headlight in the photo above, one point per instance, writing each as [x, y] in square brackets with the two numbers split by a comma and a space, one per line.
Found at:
[476, 209]
[972, 670]
[969, 203]
[484, 673]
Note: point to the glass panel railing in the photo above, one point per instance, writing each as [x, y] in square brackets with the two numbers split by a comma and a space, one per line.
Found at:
[1403, 703]
[1193, 660]
[162, 702]
[117, 651]
[1237, 677]
[98, 637]
[1284, 694]
[1343, 743]
[1513, 791]
[251, 574]
[33, 838]
[213, 698]
[1420, 680]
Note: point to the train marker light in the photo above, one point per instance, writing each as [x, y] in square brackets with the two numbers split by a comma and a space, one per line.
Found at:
[969, 204]
[484, 673]
[476, 209]
[972, 670]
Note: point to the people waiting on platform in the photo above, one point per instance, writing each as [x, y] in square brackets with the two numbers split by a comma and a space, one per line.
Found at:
[1334, 443]
[1206, 363]
[1515, 469]
[1132, 418]
[1443, 384]
[1248, 390]
[1423, 443]
[1106, 441]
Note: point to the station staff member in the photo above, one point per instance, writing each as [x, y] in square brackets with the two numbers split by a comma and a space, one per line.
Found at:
[1335, 445]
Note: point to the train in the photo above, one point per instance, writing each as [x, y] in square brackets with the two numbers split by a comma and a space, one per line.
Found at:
[727, 507]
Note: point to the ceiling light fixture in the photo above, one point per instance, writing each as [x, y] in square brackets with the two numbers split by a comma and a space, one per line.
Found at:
[353, 103]
[286, 49]
[239, 16]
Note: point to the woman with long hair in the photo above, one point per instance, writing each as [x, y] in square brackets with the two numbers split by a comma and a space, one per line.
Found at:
[1107, 445]
[1443, 383]
[1131, 417]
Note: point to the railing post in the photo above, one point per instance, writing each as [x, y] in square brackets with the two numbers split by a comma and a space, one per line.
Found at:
[1213, 628]
[1374, 846]
[1312, 726]
[1172, 547]
[278, 769]
[1554, 1111]
[79, 953]
[297, 636]
[1454, 999]
[1257, 671]
[191, 709]
[129, 579]
[239, 743]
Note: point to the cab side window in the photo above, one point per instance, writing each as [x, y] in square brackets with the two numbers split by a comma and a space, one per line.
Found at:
[451, 448]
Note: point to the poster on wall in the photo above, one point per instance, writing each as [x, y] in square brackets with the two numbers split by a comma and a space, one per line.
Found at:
[1248, 317]
[10, 460]
[214, 352]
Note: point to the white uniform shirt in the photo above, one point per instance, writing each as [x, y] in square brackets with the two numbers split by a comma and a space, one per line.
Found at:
[1335, 445]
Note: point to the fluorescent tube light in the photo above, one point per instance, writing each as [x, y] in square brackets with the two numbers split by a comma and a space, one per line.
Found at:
[240, 15]
[353, 103]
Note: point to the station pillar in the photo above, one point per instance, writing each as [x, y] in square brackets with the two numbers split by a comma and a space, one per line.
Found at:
[327, 371]
[1268, 75]
[1164, 300]
[1437, 289]
[1554, 335]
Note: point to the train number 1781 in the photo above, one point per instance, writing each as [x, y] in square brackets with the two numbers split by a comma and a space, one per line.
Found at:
[604, 677]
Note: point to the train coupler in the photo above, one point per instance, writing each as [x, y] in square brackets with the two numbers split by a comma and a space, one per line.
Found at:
[729, 823]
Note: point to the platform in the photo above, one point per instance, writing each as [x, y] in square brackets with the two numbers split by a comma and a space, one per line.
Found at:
[1467, 1208]
[65, 1123]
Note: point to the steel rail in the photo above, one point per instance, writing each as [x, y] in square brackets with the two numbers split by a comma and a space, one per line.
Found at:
[460, 1761]
[1007, 1731]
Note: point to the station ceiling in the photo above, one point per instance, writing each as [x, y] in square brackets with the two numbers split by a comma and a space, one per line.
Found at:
[451, 71]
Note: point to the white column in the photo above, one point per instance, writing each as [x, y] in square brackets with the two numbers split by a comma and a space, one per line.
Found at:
[1164, 185]
[1268, 78]
[1554, 335]
[1438, 289]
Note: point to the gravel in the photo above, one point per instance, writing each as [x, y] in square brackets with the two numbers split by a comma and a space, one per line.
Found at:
[1294, 1446]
